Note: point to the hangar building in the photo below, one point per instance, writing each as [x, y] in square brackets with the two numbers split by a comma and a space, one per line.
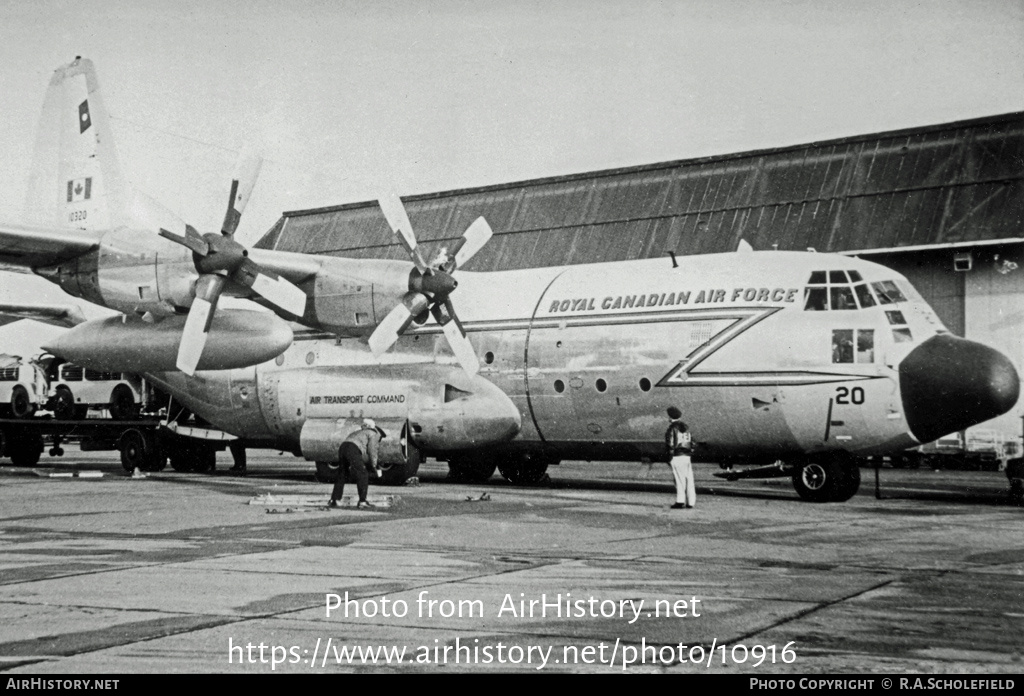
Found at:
[943, 205]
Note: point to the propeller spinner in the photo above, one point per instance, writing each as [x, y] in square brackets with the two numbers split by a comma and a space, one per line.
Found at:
[219, 258]
[430, 287]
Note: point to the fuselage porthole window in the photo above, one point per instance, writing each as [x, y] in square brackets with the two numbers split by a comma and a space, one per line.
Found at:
[559, 386]
[489, 357]
[601, 385]
[645, 384]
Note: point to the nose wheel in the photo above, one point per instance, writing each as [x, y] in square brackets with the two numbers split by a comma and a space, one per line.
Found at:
[826, 481]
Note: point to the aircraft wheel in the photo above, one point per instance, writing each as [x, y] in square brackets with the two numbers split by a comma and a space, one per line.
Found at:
[182, 458]
[398, 473]
[206, 460]
[477, 469]
[122, 403]
[25, 449]
[819, 481]
[181, 462]
[21, 405]
[523, 472]
[849, 485]
[64, 404]
[327, 472]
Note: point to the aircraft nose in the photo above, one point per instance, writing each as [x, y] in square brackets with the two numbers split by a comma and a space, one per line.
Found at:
[950, 383]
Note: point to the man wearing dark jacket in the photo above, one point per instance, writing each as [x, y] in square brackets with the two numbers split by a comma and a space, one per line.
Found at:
[677, 441]
[357, 457]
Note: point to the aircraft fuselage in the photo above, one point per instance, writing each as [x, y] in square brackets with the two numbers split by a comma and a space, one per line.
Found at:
[591, 356]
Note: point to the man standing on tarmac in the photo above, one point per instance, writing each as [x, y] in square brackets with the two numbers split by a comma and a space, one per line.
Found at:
[357, 457]
[678, 442]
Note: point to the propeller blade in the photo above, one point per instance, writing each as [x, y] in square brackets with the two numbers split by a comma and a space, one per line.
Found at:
[280, 292]
[191, 239]
[388, 331]
[396, 322]
[247, 170]
[462, 348]
[471, 242]
[197, 324]
[457, 339]
[394, 210]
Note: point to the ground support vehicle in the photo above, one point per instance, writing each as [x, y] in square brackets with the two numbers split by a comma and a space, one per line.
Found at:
[23, 387]
[146, 443]
[74, 390]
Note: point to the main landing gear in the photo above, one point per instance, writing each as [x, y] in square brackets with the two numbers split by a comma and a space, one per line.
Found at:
[150, 450]
[521, 469]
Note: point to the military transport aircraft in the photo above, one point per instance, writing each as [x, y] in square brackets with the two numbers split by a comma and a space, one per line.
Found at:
[812, 360]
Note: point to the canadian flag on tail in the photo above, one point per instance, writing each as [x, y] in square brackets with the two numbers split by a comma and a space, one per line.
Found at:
[79, 189]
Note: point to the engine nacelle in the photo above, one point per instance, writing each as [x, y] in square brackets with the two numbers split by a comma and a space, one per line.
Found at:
[321, 439]
[351, 296]
[433, 407]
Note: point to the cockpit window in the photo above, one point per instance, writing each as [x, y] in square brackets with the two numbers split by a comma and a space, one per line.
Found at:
[895, 316]
[834, 290]
[850, 346]
[865, 345]
[863, 294]
[888, 292]
[842, 297]
[815, 299]
[842, 346]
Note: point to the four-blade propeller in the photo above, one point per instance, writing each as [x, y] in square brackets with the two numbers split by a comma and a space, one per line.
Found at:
[430, 287]
[219, 258]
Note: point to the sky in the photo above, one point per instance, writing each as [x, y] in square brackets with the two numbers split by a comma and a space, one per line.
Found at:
[349, 99]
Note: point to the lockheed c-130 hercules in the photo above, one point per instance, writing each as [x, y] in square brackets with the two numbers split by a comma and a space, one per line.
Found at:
[810, 359]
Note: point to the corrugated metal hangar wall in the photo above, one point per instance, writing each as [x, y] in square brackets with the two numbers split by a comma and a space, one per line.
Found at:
[944, 205]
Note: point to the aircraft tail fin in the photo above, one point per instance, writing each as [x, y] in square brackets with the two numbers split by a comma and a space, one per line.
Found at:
[76, 179]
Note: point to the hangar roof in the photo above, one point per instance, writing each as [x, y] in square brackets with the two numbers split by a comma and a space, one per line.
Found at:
[936, 186]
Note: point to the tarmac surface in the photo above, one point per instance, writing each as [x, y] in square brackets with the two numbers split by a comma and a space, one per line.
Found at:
[180, 573]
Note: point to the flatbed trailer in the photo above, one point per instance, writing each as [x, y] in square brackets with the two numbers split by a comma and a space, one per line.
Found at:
[146, 443]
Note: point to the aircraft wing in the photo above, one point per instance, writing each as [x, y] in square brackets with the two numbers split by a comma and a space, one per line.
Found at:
[23, 246]
[297, 268]
[64, 315]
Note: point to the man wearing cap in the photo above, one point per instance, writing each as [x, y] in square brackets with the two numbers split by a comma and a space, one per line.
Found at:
[357, 457]
[677, 440]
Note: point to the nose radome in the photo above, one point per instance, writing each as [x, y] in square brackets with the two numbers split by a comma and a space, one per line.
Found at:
[949, 383]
